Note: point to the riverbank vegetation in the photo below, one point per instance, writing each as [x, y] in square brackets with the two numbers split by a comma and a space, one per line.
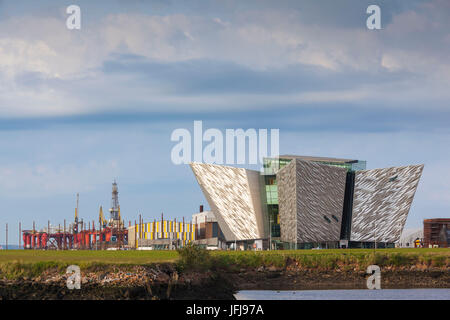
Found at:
[348, 259]
[31, 263]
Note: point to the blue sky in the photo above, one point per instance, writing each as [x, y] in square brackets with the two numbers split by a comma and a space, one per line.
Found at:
[79, 108]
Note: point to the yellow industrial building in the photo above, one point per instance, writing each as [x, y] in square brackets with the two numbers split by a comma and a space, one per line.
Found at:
[158, 233]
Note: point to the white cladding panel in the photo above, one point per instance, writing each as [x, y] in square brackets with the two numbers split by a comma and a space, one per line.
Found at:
[381, 202]
[234, 196]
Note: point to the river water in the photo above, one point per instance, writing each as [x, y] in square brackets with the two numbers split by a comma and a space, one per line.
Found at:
[383, 294]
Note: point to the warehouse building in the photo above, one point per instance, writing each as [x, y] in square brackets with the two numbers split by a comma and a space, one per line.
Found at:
[436, 233]
[207, 232]
[162, 234]
[306, 202]
[411, 238]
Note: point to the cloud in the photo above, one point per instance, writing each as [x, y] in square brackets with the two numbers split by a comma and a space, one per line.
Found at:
[253, 59]
[36, 180]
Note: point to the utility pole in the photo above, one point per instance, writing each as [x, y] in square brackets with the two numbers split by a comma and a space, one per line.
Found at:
[135, 235]
[100, 235]
[6, 236]
[48, 230]
[196, 228]
[184, 232]
[375, 234]
[33, 242]
[76, 213]
[270, 233]
[140, 227]
[20, 235]
[64, 235]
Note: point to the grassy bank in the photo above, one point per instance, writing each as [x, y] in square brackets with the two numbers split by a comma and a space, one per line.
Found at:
[24, 263]
[32, 263]
[349, 259]
[74, 256]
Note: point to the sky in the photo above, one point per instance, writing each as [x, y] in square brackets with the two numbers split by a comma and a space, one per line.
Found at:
[80, 108]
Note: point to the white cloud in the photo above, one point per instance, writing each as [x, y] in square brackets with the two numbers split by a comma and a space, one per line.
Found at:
[44, 45]
[31, 179]
[69, 62]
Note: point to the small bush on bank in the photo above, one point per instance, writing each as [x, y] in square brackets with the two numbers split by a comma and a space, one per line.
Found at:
[194, 257]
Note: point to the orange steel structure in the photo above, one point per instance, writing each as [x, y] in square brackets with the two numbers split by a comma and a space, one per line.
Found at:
[90, 238]
[110, 234]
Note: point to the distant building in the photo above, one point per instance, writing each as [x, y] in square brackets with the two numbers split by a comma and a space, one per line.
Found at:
[208, 232]
[411, 238]
[162, 234]
[436, 233]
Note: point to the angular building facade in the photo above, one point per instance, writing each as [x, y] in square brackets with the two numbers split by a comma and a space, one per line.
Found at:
[273, 165]
[381, 202]
[301, 202]
[311, 201]
[234, 195]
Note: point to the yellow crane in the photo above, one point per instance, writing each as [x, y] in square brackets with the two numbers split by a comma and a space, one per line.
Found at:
[119, 212]
[101, 219]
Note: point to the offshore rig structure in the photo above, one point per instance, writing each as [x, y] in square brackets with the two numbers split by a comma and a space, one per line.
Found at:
[110, 234]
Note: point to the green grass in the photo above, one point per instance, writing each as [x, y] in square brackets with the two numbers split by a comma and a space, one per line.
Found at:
[240, 257]
[75, 257]
[336, 258]
[30, 263]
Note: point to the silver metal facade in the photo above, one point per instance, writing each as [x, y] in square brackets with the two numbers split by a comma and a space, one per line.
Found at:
[311, 200]
[234, 195]
[287, 202]
[381, 202]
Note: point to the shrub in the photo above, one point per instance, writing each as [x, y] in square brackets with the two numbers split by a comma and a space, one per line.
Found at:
[194, 257]
[380, 259]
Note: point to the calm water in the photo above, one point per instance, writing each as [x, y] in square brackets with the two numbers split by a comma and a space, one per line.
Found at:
[383, 294]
